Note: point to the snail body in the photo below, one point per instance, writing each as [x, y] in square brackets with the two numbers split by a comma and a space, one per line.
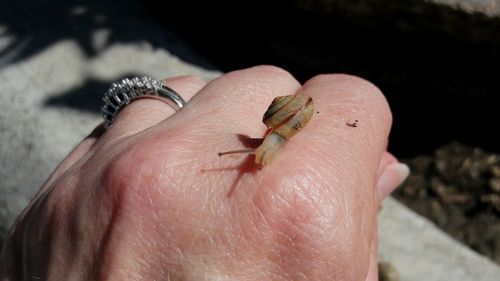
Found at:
[286, 116]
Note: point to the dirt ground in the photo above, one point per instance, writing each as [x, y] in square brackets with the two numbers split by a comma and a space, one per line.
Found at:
[458, 188]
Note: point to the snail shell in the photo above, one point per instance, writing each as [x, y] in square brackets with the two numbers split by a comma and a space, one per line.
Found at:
[286, 116]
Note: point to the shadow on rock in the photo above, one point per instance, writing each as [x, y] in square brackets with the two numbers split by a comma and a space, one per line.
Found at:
[87, 97]
[29, 27]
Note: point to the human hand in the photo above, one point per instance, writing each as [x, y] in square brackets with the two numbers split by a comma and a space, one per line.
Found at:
[149, 199]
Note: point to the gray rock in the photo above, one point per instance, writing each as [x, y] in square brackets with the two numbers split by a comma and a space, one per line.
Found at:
[487, 7]
[420, 251]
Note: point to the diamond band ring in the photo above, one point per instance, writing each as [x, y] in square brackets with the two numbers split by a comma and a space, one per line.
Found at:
[123, 92]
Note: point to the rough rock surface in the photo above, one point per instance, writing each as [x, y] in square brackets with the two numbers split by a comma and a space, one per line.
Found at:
[418, 250]
[486, 7]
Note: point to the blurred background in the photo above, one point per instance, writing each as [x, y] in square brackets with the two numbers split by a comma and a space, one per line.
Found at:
[437, 61]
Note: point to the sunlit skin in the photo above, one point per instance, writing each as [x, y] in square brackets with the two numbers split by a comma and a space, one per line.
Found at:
[148, 199]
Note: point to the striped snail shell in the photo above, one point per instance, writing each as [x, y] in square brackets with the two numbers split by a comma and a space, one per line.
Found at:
[286, 116]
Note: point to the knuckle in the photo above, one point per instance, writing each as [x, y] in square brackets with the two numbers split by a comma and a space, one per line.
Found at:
[128, 171]
[277, 73]
[142, 161]
[266, 74]
[116, 172]
[355, 89]
[347, 81]
[271, 69]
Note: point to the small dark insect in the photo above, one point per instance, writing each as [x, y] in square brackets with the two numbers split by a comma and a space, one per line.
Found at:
[352, 124]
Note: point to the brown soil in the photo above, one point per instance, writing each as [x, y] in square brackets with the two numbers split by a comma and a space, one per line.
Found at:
[458, 188]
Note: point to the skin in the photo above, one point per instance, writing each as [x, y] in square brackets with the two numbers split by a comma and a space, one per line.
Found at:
[149, 199]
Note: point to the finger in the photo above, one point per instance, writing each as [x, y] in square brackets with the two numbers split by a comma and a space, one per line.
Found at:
[146, 112]
[387, 158]
[393, 176]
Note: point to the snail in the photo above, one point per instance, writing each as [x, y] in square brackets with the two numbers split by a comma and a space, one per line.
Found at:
[286, 116]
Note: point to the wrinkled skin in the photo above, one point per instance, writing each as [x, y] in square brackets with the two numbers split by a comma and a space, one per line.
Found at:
[149, 199]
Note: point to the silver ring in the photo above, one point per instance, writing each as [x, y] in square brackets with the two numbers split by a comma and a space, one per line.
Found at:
[125, 91]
